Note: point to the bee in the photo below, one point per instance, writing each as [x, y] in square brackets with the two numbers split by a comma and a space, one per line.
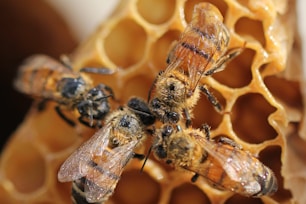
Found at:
[201, 50]
[96, 166]
[221, 161]
[43, 77]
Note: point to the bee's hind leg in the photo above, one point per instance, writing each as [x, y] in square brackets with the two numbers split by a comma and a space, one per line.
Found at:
[206, 129]
[139, 156]
[228, 141]
[212, 99]
[63, 116]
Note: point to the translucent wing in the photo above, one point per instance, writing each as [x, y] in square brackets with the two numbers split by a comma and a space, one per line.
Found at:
[101, 182]
[200, 45]
[39, 74]
[77, 164]
[239, 165]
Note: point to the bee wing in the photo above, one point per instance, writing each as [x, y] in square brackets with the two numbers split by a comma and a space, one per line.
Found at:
[77, 164]
[36, 72]
[239, 166]
[194, 52]
[103, 180]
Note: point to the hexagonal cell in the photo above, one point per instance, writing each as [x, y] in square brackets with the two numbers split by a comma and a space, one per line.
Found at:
[137, 86]
[237, 72]
[27, 171]
[120, 45]
[189, 6]
[165, 10]
[288, 92]
[161, 48]
[204, 111]
[134, 184]
[271, 156]
[251, 28]
[64, 190]
[188, 193]
[250, 118]
[57, 135]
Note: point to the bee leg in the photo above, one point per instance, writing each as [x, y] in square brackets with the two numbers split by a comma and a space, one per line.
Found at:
[206, 130]
[220, 64]
[108, 89]
[138, 156]
[63, 116]
[88, 124]
[188, 118]
[228, 141]
[195, 177]
[212, 99]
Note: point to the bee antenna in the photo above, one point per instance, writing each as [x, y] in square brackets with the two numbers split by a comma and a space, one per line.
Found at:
[147, 156]
[139, 112]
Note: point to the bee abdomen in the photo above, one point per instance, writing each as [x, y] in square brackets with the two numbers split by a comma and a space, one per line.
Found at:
[268, 184]
[77, 193]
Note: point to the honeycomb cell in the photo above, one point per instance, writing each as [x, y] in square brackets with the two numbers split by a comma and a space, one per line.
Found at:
[249, 118]
[120, 44]
[188, 193]
[5, 198]
[237, 72]
[25, 168]
[205, 112]
[138, 45]
[271, 156]
[165, 10]
[189, 5]
[288, 92]
[251, 29]
[137, 86]
[62, 136]
[161, 48]
[135, 184]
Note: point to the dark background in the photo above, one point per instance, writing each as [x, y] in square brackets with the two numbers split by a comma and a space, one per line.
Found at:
[26, 28]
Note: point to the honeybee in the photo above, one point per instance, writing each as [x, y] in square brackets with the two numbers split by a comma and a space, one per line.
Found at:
[97, 165]
[201, 51]
[43, 77]
[222, 162]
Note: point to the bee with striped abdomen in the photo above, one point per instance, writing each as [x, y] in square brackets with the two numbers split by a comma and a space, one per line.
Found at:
[97, 165]
[45, 78]
[221, 161]
[201, 50]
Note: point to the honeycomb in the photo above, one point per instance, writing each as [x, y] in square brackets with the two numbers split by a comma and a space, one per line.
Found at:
[261, 89]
